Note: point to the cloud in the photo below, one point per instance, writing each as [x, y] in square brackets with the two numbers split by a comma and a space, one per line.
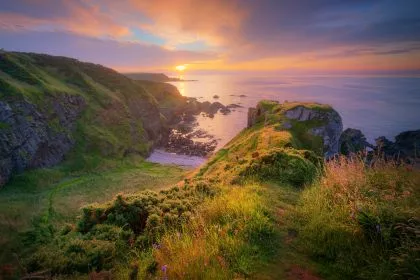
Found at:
[182, 22]
[123, 56]
[75, 16]
[237, 33]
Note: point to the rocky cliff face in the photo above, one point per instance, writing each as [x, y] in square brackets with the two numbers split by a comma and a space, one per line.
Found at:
[406, 146]
[51, 105]
[329, 129]
[353, 141]
[30, 138]
[303, 119]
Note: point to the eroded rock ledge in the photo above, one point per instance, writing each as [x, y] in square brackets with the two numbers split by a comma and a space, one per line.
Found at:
[317, 120]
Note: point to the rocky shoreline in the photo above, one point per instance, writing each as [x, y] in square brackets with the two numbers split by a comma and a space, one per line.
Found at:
[406, 147]
[349, 142]
[185, 137]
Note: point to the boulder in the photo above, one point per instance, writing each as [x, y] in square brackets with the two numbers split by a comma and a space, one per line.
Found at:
[225, 111]
[214, 108]
[408, 143]
[353, 141]
[406, 146]
[232, 106]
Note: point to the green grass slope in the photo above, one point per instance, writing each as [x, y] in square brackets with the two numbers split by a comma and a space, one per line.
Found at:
[120, 115]
[264, 207]
[269, 150]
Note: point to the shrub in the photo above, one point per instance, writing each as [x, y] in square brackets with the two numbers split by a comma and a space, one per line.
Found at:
[284, 165]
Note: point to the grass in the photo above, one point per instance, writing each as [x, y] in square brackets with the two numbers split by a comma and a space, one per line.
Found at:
[54, 196]
[115, 112]
[231, 236]
[261, 229]
[362, 221]
[264, 207]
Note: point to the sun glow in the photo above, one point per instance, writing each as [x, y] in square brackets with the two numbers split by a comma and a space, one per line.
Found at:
[181, 68]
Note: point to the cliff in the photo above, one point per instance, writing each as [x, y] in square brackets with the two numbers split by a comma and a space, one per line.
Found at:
[50, 106]
[285, 142]
[267, 200]
[155, 77]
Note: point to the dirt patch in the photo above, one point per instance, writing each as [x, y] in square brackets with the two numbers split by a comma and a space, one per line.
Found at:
[298, 273]
[280, 215]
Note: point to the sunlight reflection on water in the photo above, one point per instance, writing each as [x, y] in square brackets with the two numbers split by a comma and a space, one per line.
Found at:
[376, 105]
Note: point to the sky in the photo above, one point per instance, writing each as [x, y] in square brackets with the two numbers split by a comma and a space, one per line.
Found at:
[308, 36]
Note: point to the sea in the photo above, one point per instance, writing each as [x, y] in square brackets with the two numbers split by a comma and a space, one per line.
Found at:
[377, 105]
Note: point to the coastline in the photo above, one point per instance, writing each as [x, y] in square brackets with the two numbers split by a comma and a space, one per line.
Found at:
[166, 158]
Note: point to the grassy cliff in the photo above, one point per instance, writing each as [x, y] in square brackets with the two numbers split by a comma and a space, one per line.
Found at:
[266, 206]
[72, 106]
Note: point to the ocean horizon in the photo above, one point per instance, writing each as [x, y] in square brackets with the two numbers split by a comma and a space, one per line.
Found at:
[377, 105]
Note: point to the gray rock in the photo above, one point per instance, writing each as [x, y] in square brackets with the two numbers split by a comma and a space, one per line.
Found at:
[406, 146]
[353, 141]
[232, 106]
[30, 138]
[258, 113]
[252, 116]
[330, 128]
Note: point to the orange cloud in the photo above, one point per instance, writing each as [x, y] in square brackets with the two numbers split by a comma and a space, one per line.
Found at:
[186, 21]
[81, 19]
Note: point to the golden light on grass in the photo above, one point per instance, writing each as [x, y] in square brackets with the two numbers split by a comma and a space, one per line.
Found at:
[181, 68]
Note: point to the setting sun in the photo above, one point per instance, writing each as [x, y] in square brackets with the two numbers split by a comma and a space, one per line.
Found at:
[180, 68]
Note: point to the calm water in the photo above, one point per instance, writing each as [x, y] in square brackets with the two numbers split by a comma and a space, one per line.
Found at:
[376, 105]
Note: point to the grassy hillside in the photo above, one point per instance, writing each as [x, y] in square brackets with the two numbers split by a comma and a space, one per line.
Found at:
[111, 115]
[38, 203]
[266, 206]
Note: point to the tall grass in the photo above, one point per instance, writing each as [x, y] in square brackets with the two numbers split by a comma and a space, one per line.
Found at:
[362, 221]
[230, 237]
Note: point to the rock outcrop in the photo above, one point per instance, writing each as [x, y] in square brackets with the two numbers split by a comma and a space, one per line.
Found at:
[406, 146]
[175, 107]
[353, 141]
[302, 118]
[61, 103]
[30, 138]
[329, 129]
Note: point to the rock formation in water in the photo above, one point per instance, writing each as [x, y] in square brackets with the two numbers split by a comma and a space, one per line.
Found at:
[406, 146]
[319, 121]
[353, 141]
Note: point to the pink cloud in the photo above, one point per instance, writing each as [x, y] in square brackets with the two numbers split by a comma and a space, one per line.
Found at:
[79, 18]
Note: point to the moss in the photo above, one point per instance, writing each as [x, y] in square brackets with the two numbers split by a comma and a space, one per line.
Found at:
[304, 139]
[268, 105]
[310, 105]
[4, 126]
[288, 166]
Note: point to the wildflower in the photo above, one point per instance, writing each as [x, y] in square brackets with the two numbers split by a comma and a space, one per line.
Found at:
[164, 268]
[156, 246]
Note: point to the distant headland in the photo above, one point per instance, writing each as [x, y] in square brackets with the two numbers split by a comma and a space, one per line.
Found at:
[155, 77]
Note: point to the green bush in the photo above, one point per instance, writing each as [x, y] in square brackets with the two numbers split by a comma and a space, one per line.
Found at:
[284, 165]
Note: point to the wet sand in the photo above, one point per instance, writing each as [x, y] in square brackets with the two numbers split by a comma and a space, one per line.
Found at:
[162, 157]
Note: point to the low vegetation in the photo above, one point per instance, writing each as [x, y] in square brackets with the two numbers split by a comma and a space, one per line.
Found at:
[37, 204]
[266, 206]
[362, 221]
